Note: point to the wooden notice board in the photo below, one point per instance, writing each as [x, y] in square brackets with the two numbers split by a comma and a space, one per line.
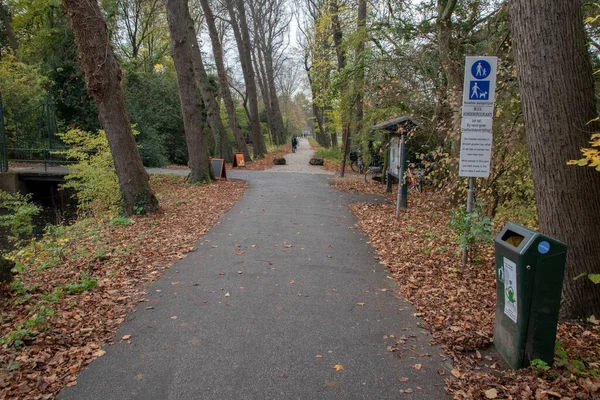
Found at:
[218, 167]
[238, 160]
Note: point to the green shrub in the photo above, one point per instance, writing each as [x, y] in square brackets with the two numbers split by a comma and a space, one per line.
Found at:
[480, 226]
[333, 154]
[85, 283]
[19, 219]
[120, 221]
[93, 176]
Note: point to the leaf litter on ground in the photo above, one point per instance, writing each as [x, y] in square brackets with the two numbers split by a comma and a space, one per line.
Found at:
[121, 260]
[457, 303]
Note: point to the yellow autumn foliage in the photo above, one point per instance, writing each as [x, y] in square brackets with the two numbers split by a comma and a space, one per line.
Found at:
[591, 155]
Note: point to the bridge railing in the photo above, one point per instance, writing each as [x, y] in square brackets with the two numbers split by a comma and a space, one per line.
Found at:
[32, 138]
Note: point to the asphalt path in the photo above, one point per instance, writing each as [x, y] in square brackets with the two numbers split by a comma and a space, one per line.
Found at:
[279, 293]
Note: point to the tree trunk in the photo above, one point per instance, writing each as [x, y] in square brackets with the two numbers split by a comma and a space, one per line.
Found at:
[103, 77]
[213, 110]
[275, 109]
[317, 111]
[454, 81]
[557, 94]
[223, 81]
[319, 132]
[346, 145]
[12, 40]
[189, 95]
[262, 84]
[360, 48]
[337, 34]
[242, 38]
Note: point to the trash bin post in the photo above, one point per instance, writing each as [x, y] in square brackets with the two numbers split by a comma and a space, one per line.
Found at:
[529, 276]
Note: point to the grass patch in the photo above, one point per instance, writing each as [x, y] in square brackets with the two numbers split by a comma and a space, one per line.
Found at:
[333, 154]
[85, 283]
[275, 149]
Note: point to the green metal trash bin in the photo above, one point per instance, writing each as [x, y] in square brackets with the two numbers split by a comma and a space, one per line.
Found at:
[529, 277]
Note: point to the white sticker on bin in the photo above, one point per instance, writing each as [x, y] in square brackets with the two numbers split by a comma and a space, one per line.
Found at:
[510, 290]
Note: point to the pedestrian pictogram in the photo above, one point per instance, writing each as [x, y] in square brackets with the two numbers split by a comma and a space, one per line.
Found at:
[479, 90]
[477, 114]
[481, 69]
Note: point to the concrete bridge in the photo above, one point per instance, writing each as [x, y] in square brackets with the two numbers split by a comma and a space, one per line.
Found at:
[25, 179]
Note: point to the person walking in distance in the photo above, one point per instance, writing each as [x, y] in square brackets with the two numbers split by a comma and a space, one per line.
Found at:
[294, 143]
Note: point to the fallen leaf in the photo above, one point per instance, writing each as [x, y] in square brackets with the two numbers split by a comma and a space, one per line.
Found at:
[318, 356]
[361, 304]
[227, 294]
[456, 373]
[417, 366]
[491, 394]
[126, 337]
[409, 390]
[338, 367]
[99, 353]
[402, 379]
[330, 383]
[139, 376]
[174, 317]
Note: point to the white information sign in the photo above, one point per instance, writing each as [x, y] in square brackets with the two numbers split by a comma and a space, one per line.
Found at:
[477, 115]
[480, 84]
[394, 167]
[475, 154]
[510, 290]
[476, 125]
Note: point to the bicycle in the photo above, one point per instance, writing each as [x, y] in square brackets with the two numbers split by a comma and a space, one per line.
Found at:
[356, 162]
[374, 172]
[415, 180]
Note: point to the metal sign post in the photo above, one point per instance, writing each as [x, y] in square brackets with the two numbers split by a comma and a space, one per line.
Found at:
[476, 128]
[3, 152]
[401, 201]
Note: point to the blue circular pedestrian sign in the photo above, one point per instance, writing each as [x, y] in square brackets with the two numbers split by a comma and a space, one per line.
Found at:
[481, 69]
[544, 247]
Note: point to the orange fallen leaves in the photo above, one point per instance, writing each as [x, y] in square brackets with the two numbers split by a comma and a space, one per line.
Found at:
[81, 323]
[457, 303]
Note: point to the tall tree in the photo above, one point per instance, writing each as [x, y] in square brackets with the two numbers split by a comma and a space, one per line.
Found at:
[266, 95]
[7, 28]
[103, 77]
[451, 93]
[213, 110]
[271, 24]
[346, 105]
[139, 20]
[189, 94]
[354, 93]
[239, 24]
[557, 92]
[217, 48]
[361, 39]
[315, 30]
